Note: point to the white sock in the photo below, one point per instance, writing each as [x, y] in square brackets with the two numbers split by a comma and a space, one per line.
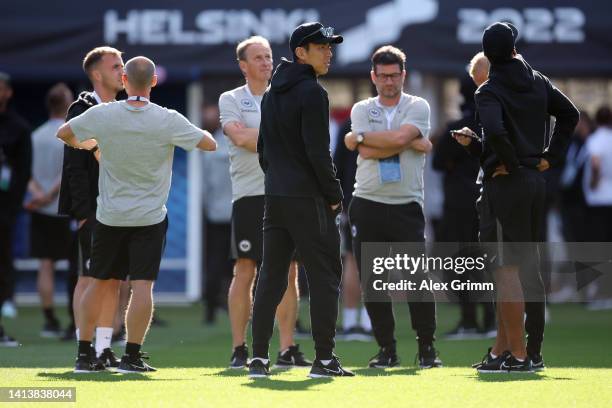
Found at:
[263, 360]
[365, 320]
[325, 362]
[493, 356]
[349, 318]
[78, 334]
[104, 336]
[520, 359]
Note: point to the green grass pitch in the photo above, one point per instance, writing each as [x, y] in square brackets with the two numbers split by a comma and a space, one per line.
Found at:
[191, 359]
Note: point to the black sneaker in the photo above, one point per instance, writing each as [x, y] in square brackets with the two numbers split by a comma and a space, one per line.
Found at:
[462, 332]
[385, 358]
[6, 340]
[130, 364]
[109, 359]
[512, 365]
[356, 333]
[488, 332]
[333, 369]
[537, 362]
[490, 364]
[69, 334]
[88, 363]
[257, 369]
[51, 329]
[293, 357]
[239, 357]
[428, 357]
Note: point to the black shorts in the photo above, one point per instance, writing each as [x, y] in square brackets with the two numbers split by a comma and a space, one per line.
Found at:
[84, 236]
[247, 228]
[119, 252]
[50, 236]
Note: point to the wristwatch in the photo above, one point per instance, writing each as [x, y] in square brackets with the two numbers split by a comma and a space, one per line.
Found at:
[359, 138]
[94, 149]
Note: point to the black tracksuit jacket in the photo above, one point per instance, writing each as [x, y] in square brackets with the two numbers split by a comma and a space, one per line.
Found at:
[514, 108]
[80, 169]
[293, 143]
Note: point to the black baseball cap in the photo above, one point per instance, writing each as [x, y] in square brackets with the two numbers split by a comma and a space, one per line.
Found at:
[313, 32]
[498, 41]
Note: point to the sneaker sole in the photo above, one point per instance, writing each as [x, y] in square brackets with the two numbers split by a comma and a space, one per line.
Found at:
[11, 344]
[51, 335]
[237, 368]
[320, 376]
[358, 337]
[426, 367]
[258, 376]
[122, 371]
[88, 371]
[504, 372]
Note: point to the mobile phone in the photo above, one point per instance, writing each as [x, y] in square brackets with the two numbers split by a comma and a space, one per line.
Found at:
[472, 134]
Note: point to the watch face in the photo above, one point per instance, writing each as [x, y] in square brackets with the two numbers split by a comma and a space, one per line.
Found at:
[360, 138]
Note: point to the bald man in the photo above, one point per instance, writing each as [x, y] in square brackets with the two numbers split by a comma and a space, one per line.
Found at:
[136, 139]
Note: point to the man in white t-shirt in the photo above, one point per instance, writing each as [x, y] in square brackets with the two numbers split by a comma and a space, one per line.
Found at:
[240, 116]
[136, 139]
[391, 133]
[597, 182]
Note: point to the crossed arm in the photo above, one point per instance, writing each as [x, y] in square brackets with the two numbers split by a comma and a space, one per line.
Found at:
[242, 136]
[383, 144]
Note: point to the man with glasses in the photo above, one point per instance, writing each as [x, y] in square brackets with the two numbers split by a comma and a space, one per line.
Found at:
[390, 131]
[302, 198]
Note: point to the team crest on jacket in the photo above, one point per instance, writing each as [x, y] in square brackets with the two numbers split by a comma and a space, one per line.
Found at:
[246, 103]
[354, 230]
[374, 113]
[245, 245]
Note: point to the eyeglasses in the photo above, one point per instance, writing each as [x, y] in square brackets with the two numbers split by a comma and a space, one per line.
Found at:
[326, 32]
[394, 77]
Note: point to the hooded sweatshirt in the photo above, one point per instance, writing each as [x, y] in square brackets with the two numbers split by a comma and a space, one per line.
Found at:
[293, 143]
[514, 108]
[80, 169]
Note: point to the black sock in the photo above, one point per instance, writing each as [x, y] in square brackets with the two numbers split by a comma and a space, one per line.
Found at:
[84, 347]
[49, 315]
[132, 350]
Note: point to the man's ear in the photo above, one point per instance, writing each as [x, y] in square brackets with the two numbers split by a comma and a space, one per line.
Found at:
[154, 81]
[242, 65]
[301, 53]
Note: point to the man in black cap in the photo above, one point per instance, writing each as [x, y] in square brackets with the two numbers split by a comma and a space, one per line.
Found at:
[302, 198]
[514, 108]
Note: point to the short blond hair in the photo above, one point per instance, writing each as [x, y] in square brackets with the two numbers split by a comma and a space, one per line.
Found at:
[478, 61]
[94, 56]
[241, 48]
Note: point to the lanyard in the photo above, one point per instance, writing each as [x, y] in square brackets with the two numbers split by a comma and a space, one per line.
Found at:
[246, 87]
[138, 99]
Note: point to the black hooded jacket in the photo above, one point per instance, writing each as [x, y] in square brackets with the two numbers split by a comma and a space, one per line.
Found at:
[80, 169]
[293, 143]
[514, 108]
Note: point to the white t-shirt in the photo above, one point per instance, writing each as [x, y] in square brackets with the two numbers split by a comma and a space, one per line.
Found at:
[137, 148]
[239, 105]
[599, 144]
[397, 180]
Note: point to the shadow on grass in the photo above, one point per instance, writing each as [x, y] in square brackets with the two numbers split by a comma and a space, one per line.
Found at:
[511, 377]
[282, 385]
[377, 372]
[104, 377]
[229, 372]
